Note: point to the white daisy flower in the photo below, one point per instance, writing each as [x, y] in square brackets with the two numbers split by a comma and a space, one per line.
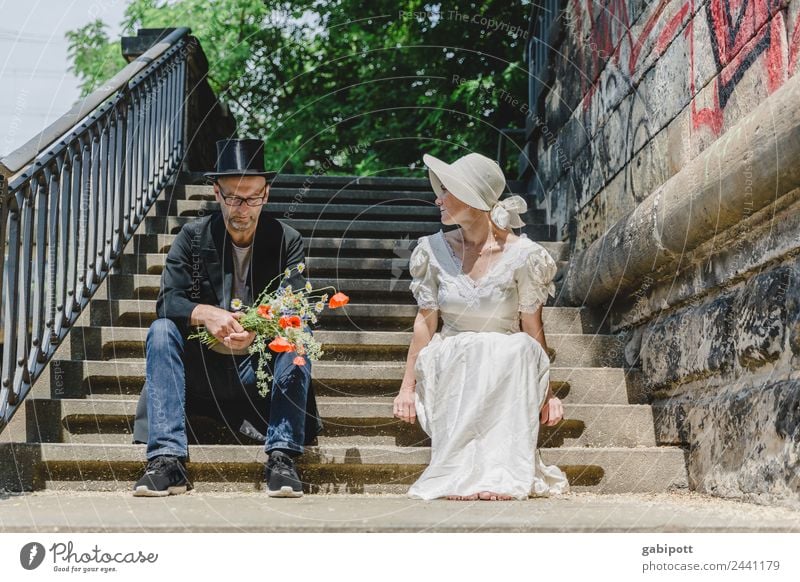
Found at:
[309, 287]
[236, 304]
[301, 267]
[287, 273]
[319, 307]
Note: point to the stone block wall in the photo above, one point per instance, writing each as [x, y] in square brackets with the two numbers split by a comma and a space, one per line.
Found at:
[639, 89]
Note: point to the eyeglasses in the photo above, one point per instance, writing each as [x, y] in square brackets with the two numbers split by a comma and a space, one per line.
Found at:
[238, 200]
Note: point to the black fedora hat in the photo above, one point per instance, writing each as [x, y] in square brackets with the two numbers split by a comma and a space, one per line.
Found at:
[240, 157]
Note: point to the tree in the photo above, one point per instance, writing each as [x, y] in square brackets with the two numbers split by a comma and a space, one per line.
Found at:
[343, 85]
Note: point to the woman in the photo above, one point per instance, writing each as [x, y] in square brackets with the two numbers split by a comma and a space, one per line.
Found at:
[480, 387]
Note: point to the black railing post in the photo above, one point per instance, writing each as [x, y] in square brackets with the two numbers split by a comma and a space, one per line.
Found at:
[4, 203]
[4, 174]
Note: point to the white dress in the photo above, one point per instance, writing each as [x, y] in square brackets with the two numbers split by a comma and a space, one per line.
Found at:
[481, 381]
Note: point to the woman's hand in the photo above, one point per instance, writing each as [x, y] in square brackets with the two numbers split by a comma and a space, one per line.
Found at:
[552, 412]
[404, 406]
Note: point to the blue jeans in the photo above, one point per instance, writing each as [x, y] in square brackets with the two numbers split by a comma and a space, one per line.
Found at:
[175, 363]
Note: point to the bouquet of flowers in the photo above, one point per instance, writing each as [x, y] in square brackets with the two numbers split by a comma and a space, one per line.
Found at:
[278, 320]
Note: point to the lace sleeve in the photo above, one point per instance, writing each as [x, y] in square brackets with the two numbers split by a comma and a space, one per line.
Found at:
[535, 279]
[423, 286]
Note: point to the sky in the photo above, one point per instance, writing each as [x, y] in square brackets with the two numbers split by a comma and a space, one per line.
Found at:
[36, 87]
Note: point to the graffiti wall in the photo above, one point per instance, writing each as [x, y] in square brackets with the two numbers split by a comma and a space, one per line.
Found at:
[638, 88]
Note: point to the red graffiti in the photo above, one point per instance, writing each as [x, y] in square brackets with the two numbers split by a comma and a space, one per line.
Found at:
[610, 25]
[669, 30]
[742, 33]
[794, 46]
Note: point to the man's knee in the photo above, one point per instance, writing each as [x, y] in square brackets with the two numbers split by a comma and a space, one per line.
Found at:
[164, 332]
[288, 374]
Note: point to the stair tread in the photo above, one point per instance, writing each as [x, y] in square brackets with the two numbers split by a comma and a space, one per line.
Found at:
[339, 208]
[382, 243]
[370, 454]
[378, 336]
[150, 304]
[197, 179]
[322, 363]
[70, 404]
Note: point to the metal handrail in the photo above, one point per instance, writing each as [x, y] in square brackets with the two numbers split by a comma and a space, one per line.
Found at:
[16, 161]
[545, 19]
[503, 138]
[72, 198]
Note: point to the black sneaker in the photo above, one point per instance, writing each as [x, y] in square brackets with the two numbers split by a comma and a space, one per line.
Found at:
[164, 475]
[281, 478]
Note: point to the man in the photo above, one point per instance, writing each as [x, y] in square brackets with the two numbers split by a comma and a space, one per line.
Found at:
[231, 254]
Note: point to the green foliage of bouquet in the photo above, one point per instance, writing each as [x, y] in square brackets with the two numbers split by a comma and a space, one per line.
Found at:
[280, 321]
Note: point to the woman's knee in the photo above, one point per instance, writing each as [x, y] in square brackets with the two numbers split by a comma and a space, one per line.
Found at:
[524, 341]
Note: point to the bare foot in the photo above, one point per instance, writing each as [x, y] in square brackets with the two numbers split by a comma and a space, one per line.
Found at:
[492, 496]
[463, 497]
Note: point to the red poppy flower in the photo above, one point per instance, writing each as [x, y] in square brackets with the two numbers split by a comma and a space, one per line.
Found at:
[299, 361]
[338, 300]
[290, 321]
[279, 344]
[265, 311]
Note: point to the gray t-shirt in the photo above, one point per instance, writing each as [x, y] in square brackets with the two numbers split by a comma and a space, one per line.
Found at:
[239, 288]
[241, 268]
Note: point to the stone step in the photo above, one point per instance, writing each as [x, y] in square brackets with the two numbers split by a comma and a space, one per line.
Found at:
[350, 420]
[366, 228]
[124, 438]
[121, 378]
[360, 290]
[320, 196]
[153, 264]
[347, 182]
[298, 196]
[333, 211]
[327, 209]
[330, 211]
[388, 269]
[366, 483]
[323, 469]
[328, 246]
[566, 350]
[352, 317]
[316, 195]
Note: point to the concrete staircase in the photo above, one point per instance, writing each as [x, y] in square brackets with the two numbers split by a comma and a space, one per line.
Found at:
[359, 234]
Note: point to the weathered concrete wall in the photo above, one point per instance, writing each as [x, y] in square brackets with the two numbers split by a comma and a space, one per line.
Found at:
[640, 89]
[718, 343]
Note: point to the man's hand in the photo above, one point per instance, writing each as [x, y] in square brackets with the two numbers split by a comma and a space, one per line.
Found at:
[224, 326]
[241, 339]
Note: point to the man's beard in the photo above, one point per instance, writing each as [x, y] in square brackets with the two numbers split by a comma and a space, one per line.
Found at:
[240, 223]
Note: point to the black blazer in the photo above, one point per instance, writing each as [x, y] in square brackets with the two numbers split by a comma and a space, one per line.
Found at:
[199, 266]
[199, 270]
